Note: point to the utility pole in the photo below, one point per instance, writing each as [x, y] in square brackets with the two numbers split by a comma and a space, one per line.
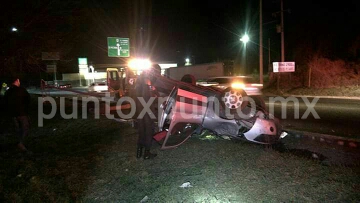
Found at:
[261, 47]
[282, 33]
[282, 40]
[269, 63]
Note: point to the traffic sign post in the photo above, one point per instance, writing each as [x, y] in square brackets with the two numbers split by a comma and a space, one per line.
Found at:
[118, 47]
[283, 67]
[51, 57]
[83, 68]
[52, 69]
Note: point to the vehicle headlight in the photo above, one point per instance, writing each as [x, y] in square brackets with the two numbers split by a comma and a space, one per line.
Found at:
[237, 85]
[139, 64]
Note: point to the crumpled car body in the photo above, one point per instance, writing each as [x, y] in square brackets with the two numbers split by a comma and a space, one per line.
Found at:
[229, 113]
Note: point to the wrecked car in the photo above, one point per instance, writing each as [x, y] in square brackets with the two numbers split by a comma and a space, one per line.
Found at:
[230, 112]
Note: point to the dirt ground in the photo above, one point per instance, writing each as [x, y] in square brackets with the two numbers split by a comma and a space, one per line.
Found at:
[93, 160]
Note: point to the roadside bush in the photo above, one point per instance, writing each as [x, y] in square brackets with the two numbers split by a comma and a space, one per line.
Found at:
[332, 73]
[325, 73]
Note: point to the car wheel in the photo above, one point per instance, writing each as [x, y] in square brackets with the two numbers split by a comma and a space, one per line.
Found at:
[234, 98]
[188, 78]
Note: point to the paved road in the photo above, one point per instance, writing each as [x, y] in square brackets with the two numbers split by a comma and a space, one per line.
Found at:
[339, 117]
[71, 92]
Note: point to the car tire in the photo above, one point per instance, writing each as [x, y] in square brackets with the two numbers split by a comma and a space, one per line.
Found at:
[188, 78]
[234, 99]
[233, 104]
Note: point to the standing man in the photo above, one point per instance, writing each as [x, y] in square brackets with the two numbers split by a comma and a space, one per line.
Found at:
[145, 124]
[17, 101]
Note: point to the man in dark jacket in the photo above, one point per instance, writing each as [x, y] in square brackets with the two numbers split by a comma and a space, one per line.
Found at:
[17, 101]
[145, 124]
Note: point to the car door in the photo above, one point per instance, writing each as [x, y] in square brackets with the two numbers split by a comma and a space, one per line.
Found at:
[182, 116]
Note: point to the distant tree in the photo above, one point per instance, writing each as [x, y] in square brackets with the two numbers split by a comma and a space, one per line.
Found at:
[228, 67]
[48, 27]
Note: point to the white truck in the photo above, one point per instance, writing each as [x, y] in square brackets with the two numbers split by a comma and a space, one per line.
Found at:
[199, 71]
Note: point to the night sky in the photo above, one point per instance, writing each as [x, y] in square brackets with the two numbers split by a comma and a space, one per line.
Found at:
[204, 31]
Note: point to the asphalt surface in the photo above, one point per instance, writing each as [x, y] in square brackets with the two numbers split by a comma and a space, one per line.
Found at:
[333, 116]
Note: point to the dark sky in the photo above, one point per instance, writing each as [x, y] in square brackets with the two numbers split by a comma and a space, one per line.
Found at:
[202, 30]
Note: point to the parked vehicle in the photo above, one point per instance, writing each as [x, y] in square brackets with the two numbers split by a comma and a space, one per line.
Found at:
[63, 86]
[247, 83]
[199, 71]
[98, 87]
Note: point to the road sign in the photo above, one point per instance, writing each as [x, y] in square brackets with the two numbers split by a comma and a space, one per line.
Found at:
[51, 68]
[118, 47]
[82, 61]
[50, 56]
[83, 65]
[283, 67]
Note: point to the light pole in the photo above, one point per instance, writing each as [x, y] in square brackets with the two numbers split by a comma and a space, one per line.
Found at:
[282, 33]
[269, 57]
[261, 47]
[245, 39]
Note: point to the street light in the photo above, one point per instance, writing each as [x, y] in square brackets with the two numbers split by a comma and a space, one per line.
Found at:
[187, 60]
[245, 39]
[14, 29]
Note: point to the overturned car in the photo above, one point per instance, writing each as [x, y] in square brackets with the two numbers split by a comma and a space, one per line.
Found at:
[230, 112]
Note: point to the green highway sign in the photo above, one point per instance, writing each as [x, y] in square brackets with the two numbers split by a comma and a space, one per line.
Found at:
[82, 61]
[118, 47]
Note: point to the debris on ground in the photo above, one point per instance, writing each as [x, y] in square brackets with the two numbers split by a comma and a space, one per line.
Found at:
[145, 199]
[185, 185]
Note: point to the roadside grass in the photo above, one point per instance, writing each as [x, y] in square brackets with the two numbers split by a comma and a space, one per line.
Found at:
[93, 160]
